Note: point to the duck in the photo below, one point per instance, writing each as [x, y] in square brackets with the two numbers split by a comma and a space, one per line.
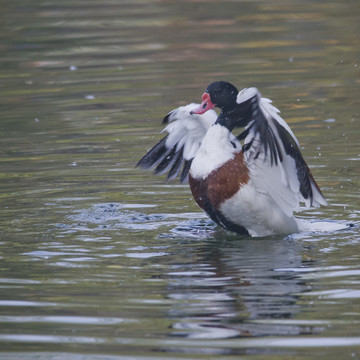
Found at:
[250, 184]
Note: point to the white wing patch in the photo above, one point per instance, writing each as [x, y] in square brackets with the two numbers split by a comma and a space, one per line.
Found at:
[187, 130]
[173, 154]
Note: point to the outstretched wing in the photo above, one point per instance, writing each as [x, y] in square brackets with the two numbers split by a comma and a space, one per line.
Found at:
[174, 153]
[274, 158]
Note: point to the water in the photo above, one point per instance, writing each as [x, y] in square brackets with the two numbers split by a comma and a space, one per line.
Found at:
[100, 260]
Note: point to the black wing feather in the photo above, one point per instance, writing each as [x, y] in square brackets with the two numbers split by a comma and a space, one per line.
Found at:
[174, 171]
[267, 138]
[166, 162]
[185, 171]
[161, 157]
[154, 155]
[303, 171]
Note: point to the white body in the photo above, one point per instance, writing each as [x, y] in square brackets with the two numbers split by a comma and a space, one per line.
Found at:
[251, 207]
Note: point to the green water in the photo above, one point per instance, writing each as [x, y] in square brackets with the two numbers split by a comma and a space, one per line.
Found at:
[100, 260]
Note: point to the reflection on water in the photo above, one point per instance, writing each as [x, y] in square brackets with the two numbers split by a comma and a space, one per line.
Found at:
[228, 296]
[101, 260]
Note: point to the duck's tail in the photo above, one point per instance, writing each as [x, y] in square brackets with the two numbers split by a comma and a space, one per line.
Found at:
[322, 226]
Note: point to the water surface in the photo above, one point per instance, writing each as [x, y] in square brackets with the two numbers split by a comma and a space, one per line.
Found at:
[100, 260]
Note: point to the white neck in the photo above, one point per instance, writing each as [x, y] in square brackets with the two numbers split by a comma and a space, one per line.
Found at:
[215, 150]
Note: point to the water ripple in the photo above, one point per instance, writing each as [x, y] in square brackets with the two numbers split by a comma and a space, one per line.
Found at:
[81, 320]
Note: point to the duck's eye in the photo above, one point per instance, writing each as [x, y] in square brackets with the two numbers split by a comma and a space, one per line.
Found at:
[204, 106]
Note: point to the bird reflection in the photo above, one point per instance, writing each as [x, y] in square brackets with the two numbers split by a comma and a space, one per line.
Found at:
[233, 287]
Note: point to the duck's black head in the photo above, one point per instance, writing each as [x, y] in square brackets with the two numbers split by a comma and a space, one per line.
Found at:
[220, 94]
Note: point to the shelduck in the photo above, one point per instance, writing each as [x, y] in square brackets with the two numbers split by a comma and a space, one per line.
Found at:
[252, 188]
